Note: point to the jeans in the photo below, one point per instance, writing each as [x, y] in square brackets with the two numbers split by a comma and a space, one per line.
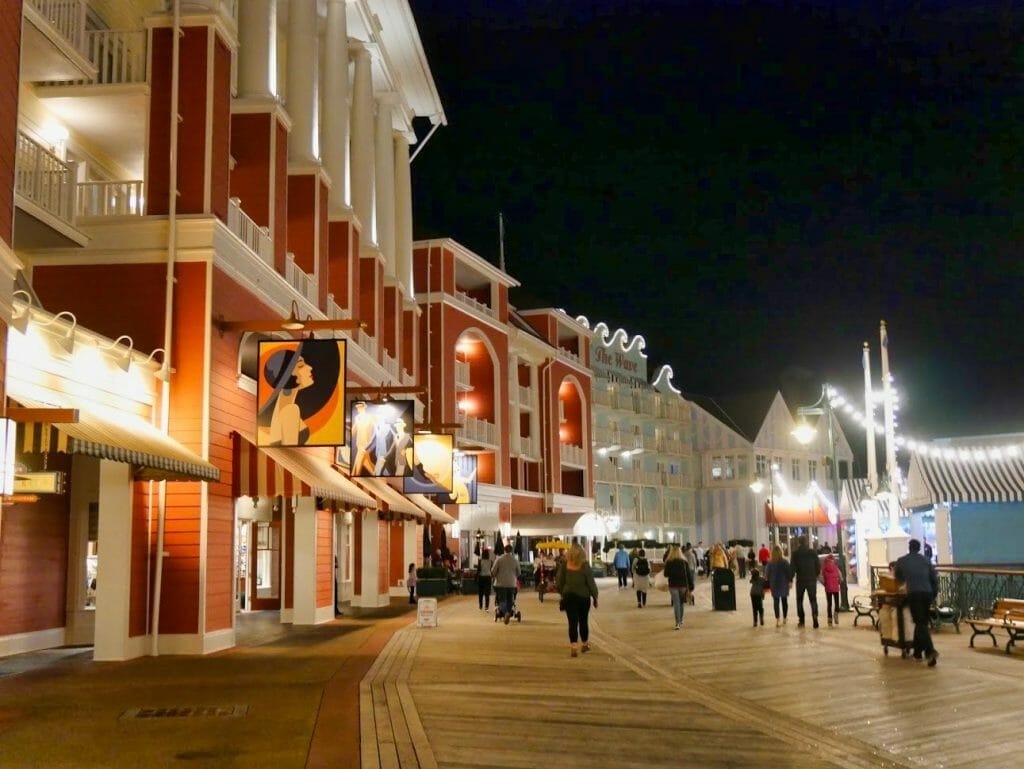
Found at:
[412, 595]
[577, 612]
[641, 597]
[483, 592]
[812, 597]
[623, 576]
[920, 604]
[780, 599]
[504, 597]
[678, 599]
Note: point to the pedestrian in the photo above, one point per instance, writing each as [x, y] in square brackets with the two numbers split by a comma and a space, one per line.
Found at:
[928, 551]
[752, 559]
[410, 582]
[741, 560]
[718, 559]
[505, 573]
[830, 577]
[921, 579]
[680, 580]
[779, 575]
[691, 559]
[763, 556]
[700, 553]
[806, 568]
[483, 580]
[621, 564]
[757, 585]
[576, 585]
[641, 571]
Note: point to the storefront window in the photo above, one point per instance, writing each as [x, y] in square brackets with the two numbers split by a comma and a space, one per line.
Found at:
[267, 560]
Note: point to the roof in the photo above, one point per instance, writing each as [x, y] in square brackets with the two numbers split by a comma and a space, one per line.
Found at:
[958, 479]
[742, 413]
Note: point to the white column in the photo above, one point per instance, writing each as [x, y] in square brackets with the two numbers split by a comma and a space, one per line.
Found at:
[257, 49]
[336, 107]
[113, 566]
[369, 595]
[384, 176]
[361, 160]
[303, 87]
[403, 216]
[304, 560]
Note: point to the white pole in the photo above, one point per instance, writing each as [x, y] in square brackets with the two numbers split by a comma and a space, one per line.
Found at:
[890, 428]
[869, 409]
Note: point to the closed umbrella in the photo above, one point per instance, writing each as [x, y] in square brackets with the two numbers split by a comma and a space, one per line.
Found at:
[519, 546]
[499, 547]
[428, 550]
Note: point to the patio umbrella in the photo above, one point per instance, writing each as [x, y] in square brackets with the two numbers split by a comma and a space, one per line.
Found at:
[519, 545]
[428, 550]
[499, 548]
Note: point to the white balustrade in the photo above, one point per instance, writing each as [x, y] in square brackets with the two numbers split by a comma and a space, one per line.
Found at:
[255, 237]
[44, 179]
[462, 373]
[567, 354]
[572, 455]
[527, 446]
[116, 198]
[300, 280]
[366, 342]
[526, 397]
[66, 16]
[335, 312]
[468, 301]
[477, 430]
[119, 56]
[390, 365]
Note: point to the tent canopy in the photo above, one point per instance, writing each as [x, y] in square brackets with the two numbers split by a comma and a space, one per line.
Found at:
[546, 524]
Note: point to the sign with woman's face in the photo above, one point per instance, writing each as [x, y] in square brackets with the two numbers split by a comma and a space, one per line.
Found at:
[300, 392]
[381, 443]
[432, 465]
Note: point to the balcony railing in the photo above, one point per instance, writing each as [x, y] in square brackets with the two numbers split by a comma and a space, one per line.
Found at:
[606, 473]
[477, 430]
[527, 446]
[462, 374]
[66, 16]
[119, 56]
[110, 199]
[44, 179]
[527, 397]
[334, 311]
[365, 341]
[300, 280]
[567, 354]
[390, 365]
[606, 436]
[571, 455]
[671, 480]
[255, 237]
[472, 303]
[602, 397]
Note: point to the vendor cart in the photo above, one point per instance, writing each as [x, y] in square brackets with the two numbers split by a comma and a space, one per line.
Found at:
[895, 623]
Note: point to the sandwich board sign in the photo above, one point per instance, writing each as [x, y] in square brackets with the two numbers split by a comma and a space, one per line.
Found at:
[426, 612]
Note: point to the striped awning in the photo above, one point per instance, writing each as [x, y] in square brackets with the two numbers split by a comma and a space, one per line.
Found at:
[394, 500]
[937, 479]
[287, 472]
[791, 515]
[427, 505]
[115, 435]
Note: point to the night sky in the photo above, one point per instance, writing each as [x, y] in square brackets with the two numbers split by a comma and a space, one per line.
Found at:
[751, 186]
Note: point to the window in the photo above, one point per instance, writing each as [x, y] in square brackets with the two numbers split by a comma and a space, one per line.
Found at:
[761, 466]
[796, 469]
[812, 469]
[723, 468]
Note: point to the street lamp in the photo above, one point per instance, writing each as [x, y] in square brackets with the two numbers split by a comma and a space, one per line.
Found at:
[757, 487]
[804, 434]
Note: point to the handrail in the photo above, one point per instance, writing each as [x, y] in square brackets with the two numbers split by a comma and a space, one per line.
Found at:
[118, 55]
[255, 237]
[972, 590]
[110, 198]
[67, 17]
[43, 178]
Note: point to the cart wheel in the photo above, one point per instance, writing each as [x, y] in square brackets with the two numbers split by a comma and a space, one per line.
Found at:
[886, 650]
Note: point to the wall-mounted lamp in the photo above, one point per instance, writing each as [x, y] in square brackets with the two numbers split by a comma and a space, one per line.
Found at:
[67, 341]
[164, 372]
[291, 323]
[19, 321]
[123, 360]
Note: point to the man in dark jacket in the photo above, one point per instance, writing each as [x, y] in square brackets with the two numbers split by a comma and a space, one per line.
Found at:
[806, 568]
[922, 581]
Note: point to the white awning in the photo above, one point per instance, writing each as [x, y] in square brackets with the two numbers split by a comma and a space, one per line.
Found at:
[395, 500]
[938, 479]
[427, 505]
[546, 524]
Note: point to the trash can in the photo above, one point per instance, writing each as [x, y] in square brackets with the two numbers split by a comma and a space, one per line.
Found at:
[723, 590]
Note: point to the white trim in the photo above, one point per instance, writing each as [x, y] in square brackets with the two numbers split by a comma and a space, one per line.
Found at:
[19, 643]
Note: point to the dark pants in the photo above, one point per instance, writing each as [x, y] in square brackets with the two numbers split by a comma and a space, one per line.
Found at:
[784, 601]
[742, 566]
[504, 597]
[919, 604]
[412, 594]
[623, 576]
[757, 606]
[812, 597]
[832, 604]
[641, 597]
[483, 592]
[577, 612]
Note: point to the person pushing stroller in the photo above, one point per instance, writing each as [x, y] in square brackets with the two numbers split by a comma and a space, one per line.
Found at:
[505, 575]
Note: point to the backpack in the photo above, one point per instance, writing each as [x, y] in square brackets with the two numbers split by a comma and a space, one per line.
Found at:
[642, 567]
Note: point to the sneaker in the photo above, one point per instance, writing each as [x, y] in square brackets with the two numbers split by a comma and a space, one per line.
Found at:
[585, 648]
[778, 622]
[815, 626]
[800, 623]
[678, 626]
[830, 622]
[933, 658]
[507, 618]
[573, 652]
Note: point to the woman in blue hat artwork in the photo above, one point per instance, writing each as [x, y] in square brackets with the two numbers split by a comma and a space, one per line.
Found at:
[288, 373]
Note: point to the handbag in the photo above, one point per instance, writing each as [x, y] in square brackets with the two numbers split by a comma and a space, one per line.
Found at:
[561, 603]
[661, 582]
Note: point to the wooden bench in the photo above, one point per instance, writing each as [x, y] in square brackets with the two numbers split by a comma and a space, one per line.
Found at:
[1007, 614]
[865, 607]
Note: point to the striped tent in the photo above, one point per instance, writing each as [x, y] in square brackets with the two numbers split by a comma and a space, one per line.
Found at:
[965, 477]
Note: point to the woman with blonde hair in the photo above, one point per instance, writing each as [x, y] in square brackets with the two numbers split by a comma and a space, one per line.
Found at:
[576, 585]
[680, 580]
[779, 575]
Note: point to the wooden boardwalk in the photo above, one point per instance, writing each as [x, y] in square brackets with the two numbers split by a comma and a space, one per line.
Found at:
[471, 693]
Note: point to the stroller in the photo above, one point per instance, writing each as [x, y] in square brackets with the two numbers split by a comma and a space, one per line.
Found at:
[514, 612]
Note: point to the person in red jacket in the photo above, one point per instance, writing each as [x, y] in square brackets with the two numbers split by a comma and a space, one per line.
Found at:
[763, 556]
[830, 577]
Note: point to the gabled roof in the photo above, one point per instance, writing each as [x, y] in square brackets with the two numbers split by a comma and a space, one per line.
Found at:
[743, 413]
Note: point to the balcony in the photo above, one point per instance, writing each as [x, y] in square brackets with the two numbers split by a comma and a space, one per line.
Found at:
[476, 430]
[572, 455]
[53, 41]
[390, 365]
[467, 301]
[527, 397]
[524, 446]
[44, 187]
[602, 398]
[366, 342]
[335, 311]
[255, 237]
[606, 473]
[561, 352]
[644, 404]
[300, 280]
[607, 436]
[671, 480]
[110, 199]
[462, 375]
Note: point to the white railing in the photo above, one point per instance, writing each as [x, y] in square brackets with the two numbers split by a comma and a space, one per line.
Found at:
[477, 430]
[607, 436]
[462, 373]
[526, 397]
[635, 441]
[300, 280]
[119, 56]
[570, 454]
[110, 198]
[255, 237]
[602, 398]
[567, 354]
[672, 480]
[473, 304]
[408, 378]
[527, 446]
[66, 16]
[390, 365]
[643, 404]
[606, 473]
[45, 179]
[367, 342]
[335, 312]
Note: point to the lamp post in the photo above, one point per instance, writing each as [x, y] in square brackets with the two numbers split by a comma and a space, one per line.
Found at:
[804, 433]
[757, 487]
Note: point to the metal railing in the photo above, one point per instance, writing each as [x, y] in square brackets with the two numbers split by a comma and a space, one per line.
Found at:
[45, 179]
[66, 16]
[110, 198]
[972, 590]
[300, 280]
[255, 237]
[462, 373]
[478, 430]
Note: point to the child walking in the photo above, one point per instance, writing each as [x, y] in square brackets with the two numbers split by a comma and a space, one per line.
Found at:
[831, 578]
[757, 586]
[410, 582]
